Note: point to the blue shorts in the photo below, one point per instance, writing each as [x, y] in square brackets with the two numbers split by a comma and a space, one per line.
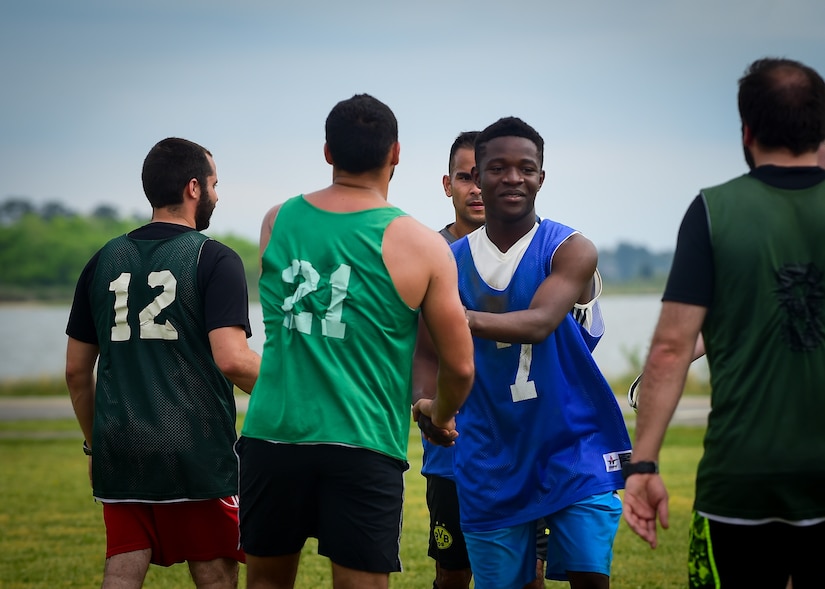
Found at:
[580, 540]
[581, 536]
[503, 559]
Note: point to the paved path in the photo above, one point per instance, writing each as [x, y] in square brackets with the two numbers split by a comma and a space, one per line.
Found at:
[692, 410]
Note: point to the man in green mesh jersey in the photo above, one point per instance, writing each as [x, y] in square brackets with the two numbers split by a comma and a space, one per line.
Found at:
[749, 272]
[163, 311]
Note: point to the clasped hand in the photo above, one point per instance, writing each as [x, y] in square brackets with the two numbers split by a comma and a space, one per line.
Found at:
[441, 436]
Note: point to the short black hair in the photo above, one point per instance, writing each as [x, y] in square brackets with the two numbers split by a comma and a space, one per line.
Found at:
[169, 167]
[359, 133]
[465, 140]
[782, 102]
[509, 127]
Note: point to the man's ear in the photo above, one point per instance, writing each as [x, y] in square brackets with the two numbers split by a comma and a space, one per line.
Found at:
[747, 135]
[448, 189]
[192, 190]
[476, 176]
[396, 153]
[327, 155]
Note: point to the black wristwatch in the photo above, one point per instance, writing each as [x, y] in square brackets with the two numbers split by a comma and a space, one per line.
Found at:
[86, 450]
[643, 467]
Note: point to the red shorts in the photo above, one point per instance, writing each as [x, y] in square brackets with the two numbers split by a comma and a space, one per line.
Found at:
[175, 532]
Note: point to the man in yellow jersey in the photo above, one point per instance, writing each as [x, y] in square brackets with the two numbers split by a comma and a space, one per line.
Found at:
[344, 276]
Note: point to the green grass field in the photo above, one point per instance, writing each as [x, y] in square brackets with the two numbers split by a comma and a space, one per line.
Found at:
[52, 535]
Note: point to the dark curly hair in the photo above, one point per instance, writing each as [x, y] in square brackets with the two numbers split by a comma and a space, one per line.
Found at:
[360, 132]
[508, 127]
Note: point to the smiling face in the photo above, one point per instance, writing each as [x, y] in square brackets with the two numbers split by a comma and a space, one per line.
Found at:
[466, 196]
[510, 176]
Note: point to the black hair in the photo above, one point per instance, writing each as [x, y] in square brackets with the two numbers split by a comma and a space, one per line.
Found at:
[465, 140]
[508, 127]
[782, 102]
[169, 167]
[359, 133]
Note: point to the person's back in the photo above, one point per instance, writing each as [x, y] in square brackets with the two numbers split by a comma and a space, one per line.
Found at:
[781, 331]
[151, 375]
[344, 275]
[346, 323]
[749, 272]
[164, 312]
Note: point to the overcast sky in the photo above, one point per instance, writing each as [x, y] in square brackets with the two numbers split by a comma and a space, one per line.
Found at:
[636, 100]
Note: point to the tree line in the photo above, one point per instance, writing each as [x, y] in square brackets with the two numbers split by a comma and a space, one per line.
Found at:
[44, 248]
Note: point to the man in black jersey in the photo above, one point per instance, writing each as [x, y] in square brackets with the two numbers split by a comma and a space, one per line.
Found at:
[749, 272]
[163, 311]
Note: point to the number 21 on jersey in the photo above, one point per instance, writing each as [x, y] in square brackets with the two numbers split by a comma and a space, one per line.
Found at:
[331, 324]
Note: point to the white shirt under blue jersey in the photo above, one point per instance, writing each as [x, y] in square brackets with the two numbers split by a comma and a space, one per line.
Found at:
[541, 428]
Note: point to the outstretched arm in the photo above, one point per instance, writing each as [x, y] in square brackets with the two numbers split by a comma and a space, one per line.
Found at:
[425, 365]
[571, 281]
[671, 352]
[446, 323]
[425, 383]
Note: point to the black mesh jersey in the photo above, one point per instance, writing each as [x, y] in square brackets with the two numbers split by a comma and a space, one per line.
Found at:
[164, 413]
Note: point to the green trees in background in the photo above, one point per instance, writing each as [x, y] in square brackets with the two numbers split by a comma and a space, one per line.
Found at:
[43, 250]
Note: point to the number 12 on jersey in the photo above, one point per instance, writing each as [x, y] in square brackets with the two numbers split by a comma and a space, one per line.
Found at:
[121, 332]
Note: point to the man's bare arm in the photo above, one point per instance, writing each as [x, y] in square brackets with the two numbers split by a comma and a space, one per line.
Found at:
[425, 365]
[425, 383]
[671, 352]
[571, 281]
[80, 380]
[446, 323]
[233, 356]
[266, 229]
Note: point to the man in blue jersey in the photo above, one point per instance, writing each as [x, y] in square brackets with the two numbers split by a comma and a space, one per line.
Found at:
[748, 272]
[542, 434]
[447, 546]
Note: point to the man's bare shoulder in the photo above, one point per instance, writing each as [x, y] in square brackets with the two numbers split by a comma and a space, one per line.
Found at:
[407, 232]
[269, 217]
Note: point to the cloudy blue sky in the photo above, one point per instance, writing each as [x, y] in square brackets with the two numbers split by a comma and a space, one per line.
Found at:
[636, 99]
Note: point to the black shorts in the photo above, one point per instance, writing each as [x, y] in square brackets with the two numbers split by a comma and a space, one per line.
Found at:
[727, 555]
[541, 539]
[447, 545]
[351, 499]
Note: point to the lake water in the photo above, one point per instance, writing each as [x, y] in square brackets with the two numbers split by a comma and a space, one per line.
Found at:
[33, 340]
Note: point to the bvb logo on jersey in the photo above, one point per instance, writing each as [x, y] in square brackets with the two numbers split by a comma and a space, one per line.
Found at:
[443, 538]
